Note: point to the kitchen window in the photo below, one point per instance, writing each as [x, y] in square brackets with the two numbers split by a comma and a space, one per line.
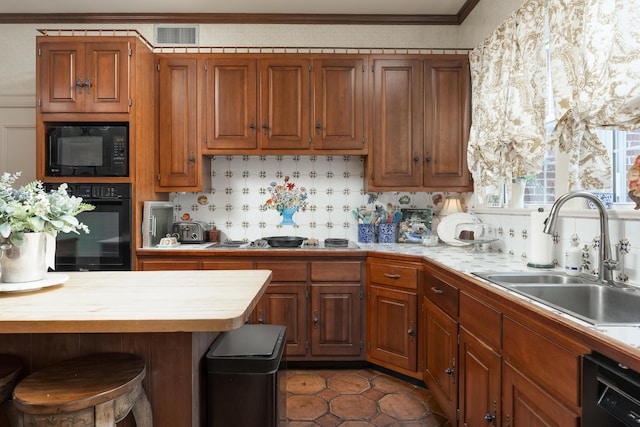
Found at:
[623, 148]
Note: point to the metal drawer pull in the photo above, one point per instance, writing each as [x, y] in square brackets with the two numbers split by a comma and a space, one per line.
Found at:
[437, 290]
[411, 332]
[392, 276]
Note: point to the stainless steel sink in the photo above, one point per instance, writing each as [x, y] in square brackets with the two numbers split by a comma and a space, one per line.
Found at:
[594, 302]
[531, 277]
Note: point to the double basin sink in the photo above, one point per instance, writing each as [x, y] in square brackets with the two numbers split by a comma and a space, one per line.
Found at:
[586, 298]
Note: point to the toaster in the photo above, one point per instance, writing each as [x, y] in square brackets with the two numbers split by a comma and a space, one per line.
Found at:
[190, 232]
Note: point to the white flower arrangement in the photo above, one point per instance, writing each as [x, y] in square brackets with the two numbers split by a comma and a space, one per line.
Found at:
[30, 209]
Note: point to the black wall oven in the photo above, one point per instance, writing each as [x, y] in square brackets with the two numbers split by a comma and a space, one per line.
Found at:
[108, 244]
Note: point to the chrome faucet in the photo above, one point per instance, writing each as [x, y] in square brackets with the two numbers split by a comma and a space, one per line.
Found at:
[607, 263]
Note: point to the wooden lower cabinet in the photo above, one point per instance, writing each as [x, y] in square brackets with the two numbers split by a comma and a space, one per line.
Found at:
[392, 326]
[336, 309]
[494, 365]
[479, 387]
[441, 357]
[392, 314]
[286, 304]
[320, 303]
[480, 363]
[541, 376]
[526, 404]
[335, 328]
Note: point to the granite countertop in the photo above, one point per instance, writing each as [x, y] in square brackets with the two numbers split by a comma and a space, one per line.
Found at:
[466, 262]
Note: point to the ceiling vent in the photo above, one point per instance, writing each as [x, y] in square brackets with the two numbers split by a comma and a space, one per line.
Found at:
[175, 35]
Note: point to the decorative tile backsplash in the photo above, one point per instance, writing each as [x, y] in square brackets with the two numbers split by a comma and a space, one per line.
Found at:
[335, 186]
[514, 239]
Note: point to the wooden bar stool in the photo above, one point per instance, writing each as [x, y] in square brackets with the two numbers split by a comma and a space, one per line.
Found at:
[97, 390]
[10, 368]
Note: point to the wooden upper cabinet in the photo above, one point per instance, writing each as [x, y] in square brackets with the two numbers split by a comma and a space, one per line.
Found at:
[284, 103]
[421, 119]
[84, 77]
[447, 123]
[179, 158]
[397, 123]
[230, 105]
[338, 104]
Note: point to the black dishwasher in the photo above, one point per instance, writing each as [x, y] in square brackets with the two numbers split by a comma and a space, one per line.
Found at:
[246, 378]
[610, 393]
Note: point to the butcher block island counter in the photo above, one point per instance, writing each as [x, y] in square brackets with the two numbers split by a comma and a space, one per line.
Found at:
[169, 318]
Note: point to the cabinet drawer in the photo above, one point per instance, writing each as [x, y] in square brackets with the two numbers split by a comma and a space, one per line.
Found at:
[227, 265]
[442, 294]
[400, 275]
[338, 271]
[168, 264]
[481, 320]
[554, 367]
[285, 271]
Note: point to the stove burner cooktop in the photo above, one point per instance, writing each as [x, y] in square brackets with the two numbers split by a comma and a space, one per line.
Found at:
[329, 243]
[336, 243]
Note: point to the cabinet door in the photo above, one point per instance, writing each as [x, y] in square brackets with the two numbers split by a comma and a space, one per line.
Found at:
[441, 351]
[338, 117]
[61, 68]
[335, 319]
[179, 162]
[392, 327]
[231, 104]
[479, 373]
[78, 77]
[286, 304]
[106, 79]
[525, 404]
[397, 122]
[284, 103]
[447, 122]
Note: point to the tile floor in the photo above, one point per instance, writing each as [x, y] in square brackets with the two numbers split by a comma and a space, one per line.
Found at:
[357, 398]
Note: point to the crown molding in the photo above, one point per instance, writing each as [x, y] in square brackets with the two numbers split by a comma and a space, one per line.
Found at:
[236, 18]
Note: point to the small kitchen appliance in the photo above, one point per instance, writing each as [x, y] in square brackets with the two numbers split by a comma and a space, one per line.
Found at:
[190, 231]
[157, 221]
[87, 149]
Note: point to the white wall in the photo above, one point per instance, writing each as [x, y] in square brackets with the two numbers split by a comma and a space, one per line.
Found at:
[486, 16]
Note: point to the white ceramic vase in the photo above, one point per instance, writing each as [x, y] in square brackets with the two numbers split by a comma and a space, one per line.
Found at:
[516, 197]
[24, 263]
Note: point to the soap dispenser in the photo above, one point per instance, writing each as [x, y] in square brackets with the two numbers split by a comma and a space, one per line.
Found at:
[573, 257]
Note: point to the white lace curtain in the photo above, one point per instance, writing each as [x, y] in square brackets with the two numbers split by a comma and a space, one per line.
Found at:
[595, 71]
[595, 75]
[507, 137]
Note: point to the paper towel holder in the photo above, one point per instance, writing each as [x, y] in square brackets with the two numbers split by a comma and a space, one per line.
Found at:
[542, 266]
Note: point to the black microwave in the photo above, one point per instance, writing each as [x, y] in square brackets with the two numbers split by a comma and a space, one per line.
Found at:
[87, 149]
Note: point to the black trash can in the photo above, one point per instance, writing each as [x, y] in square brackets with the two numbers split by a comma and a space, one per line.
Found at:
[246, 378]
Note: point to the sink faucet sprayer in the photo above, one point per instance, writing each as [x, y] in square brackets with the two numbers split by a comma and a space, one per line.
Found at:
[607, 263]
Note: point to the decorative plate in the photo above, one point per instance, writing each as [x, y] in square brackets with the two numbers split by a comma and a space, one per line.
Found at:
[51, 279]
